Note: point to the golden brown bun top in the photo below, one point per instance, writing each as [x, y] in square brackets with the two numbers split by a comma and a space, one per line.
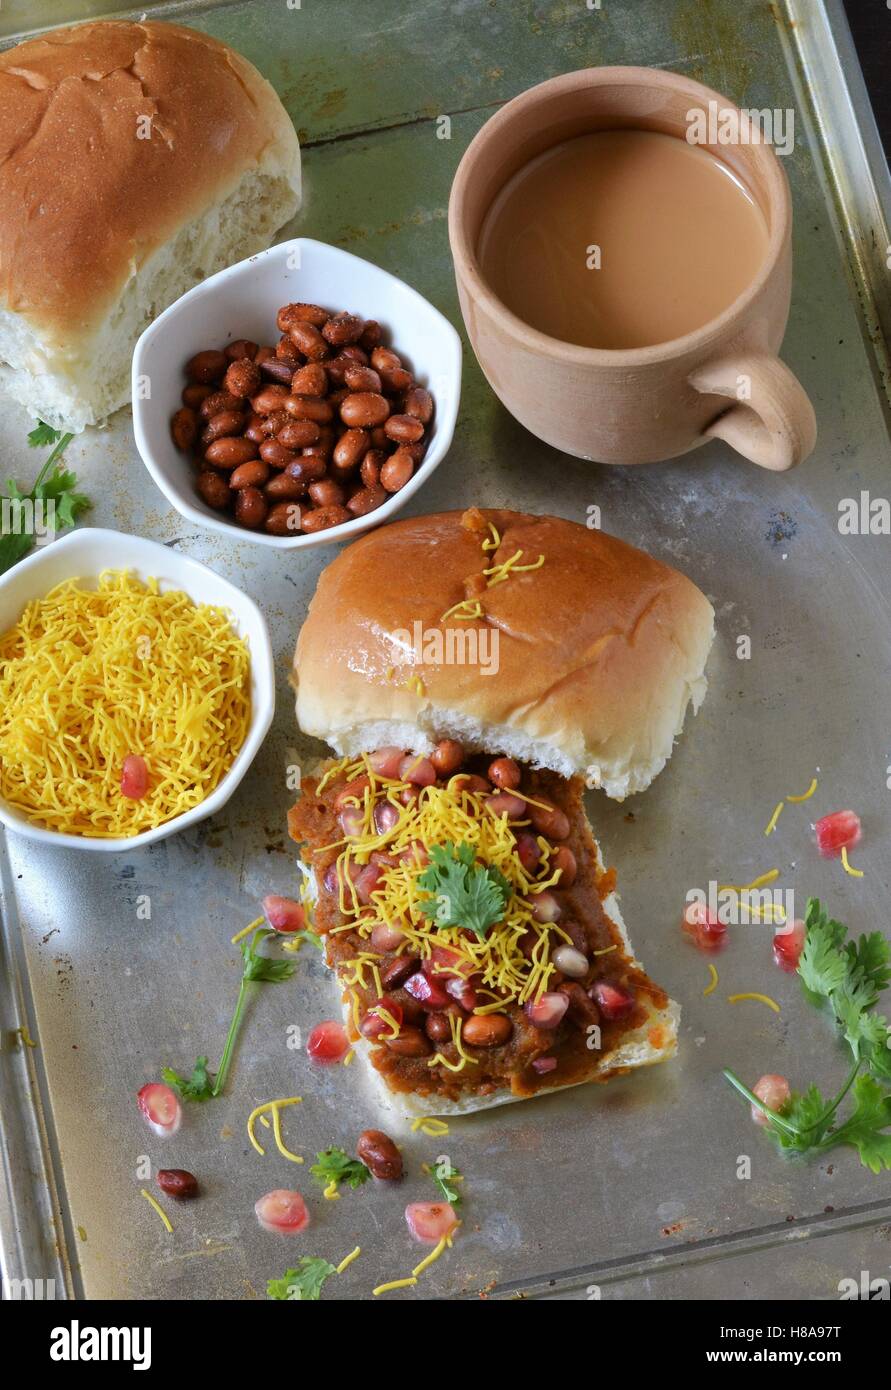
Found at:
[83, 199]
[599, 650]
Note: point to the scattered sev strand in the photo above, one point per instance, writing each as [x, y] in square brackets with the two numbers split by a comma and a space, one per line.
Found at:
[394, 1284]
[759, 882]
[273, 1107]
[435, 1129]
[760, 998]
[772, 823]
[848, 867]
[805, 796]
[348, 1260]
[89, 676]
[713, 983]
[25, 1036]
[158, 1208]
[246, 931]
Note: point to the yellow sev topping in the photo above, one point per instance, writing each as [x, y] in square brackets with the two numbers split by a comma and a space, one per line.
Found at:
[89, 676]
[158, 1208]
[395, 1284]
[772, 823]
[442, 815]
[348, 1260]
[849, 868]
[713, 983]
[435, 1129]
[273, 1107]
[805, 796]
[759, 998]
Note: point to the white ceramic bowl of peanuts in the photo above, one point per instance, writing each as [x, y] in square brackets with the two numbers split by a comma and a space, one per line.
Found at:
[320, 393]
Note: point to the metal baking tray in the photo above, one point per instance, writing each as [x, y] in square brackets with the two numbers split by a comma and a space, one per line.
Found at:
[629, 1191]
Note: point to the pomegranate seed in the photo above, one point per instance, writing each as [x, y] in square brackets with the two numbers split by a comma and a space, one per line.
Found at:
[417, 770]
[366, 882]
[428, 1222]
[444, 961]
[282, 1212]
[284, 914]
[544, 1064]
[545, 907]
[506, 804]
[352, 821]
[774, 1091]
[703, 927]
[328, 1042]
[838, 831]
[161, 1108]
[373, 1025]
[134, 777]
[429, 993]
[612, 1000]
[329, 882]
[386, 762]
[385, 817]
[528, 851]
[387, 938]
[415, 856]
[462, 992]
[788, 944]
[571, 962]
[548, 1011]
[178, 1182]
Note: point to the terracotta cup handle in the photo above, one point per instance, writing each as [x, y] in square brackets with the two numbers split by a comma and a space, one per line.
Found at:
[771, 421]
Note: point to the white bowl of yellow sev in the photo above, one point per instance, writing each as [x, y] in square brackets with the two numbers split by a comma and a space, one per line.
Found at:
[114, 647]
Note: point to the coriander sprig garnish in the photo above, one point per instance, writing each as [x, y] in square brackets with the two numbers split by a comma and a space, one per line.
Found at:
[463, 893]
[55, 490]
[847, 977]
[258, 969]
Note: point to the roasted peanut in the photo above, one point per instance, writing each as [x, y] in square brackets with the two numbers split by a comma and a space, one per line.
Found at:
[301, 313]
[214, 489]
[255, 428]
[286, 352]
[279, 372]
[403, 429]
[359, 378]
[311, 380]
[206, 367]
[447, 757]
[370, 467]
[438, 1028]
[270, 398]
[419, 403]
[564, 860]
[242, 347]
[309, 408]
[194, 395]
[274, 423]
[251, 507]
[218, 426]
[411, 1042]
[396, 472]
[379, 1154]
[230, 451]
[283, 519]
[253, 474]
[486, 1030]
[275, 453]
[350, 449]
[342, 329]
[549, 821]
[366, 499]
[242, 378]
[218, 401]
[398, 971]
[323, 517]
[503, 772]
[326, 493]
[184, 428]
[298, 434]
[383, 359]
[178, 1182]
[307, 468]
[372, 334]
[283, 488]
[363, 409]
[308, 340]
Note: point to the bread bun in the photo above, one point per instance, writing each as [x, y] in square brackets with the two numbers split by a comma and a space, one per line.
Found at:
[137, 159]
[583, 665]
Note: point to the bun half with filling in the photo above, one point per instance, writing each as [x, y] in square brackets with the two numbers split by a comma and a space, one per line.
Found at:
[451, 871]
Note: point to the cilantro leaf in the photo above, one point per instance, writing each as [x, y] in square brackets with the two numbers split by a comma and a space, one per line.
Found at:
[199, 1086]
[866, 1125]
[312, 937]
[463, 893]
[336, 1166]
[303, 1284]
[43, 435]
[443, 1173]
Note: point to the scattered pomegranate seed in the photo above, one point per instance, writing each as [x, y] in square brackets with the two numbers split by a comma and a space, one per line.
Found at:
[160, 1107]
[428, 1222]
[385, 817]
[366, 881]
[548, 1011]
[417, 770]
[463, 992]
[703, 927]
[528, 851]
[283, 914]
[178, 1182]
[838, 831]
[134, 777]
[774, 1091]
[352, 819]
[386, 762]
[612, 1000]
[430, 993]
[328, 1042]
[788, 944]
[543, 1065]
[444, 961]
[282, 1212]
[329, 882]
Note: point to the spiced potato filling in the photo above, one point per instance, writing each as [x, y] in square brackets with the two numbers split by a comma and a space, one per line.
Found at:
[461, 904]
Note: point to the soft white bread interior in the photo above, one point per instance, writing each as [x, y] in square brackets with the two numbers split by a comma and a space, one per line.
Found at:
[585, 664]
[135, 160]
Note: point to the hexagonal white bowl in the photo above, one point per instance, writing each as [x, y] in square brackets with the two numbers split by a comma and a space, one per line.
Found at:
[242, 302]
[83, 554]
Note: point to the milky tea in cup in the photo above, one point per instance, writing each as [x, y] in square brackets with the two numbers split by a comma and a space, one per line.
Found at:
[622, 239]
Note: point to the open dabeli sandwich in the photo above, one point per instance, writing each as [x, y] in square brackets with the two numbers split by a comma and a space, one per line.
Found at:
[473, 672]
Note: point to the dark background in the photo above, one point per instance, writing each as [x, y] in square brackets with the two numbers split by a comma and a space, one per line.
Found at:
[870, 22]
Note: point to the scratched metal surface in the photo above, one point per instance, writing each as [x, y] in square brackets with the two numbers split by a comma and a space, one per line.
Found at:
[633, 1189]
